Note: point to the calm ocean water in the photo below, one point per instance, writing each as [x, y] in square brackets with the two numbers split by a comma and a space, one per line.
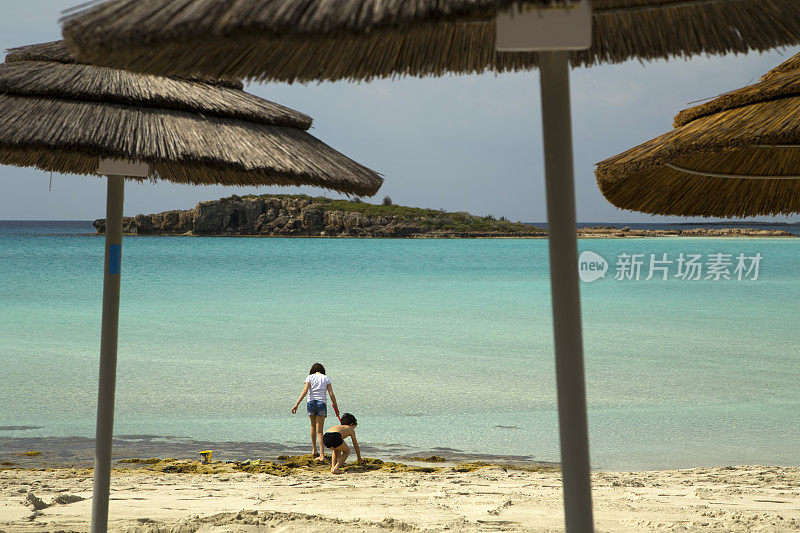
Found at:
[431, 343]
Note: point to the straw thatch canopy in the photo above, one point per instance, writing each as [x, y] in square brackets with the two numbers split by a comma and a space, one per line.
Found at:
[61, 115]
[735, 156]
[305, 40]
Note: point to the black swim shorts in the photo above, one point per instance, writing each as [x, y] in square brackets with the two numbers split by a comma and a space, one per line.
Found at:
[332, 439]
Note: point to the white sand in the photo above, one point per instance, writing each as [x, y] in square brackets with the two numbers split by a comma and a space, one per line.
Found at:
[748, 498]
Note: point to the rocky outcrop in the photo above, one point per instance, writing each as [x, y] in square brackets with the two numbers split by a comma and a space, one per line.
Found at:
[612, 231]
[275, 216]
[299, 215]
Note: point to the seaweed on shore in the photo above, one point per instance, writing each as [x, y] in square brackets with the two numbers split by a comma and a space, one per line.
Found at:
[477, 465]
[290, 464]
[287, 465]
[369, 465]
[431, 459]
[471, 467]
[186, 466]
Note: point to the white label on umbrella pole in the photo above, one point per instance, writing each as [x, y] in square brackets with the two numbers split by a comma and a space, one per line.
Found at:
[120, 167]
[527, 28]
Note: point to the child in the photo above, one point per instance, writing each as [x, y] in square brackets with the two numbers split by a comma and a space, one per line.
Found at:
[317, 384]
[334, 439]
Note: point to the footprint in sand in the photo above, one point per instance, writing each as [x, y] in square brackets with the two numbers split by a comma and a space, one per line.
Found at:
[499, 508]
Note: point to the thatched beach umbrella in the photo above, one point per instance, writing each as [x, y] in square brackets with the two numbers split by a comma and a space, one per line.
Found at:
[737, 155]
[60, 115]
[311, 40]
[307, 40]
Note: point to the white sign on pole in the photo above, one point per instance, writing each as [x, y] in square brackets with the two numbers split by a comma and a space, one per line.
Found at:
[527, 28]
[120, 167]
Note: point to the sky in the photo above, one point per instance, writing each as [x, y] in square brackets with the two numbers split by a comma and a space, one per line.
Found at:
[459, 143]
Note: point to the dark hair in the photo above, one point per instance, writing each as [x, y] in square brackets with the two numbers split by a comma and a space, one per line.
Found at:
[349, 420]
[316, 367]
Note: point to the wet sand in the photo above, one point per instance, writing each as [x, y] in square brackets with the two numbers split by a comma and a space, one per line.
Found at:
[494, 498]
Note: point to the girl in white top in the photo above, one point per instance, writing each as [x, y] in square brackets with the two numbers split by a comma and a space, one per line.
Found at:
[317, 386]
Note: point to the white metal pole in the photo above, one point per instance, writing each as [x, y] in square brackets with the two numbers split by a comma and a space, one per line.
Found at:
[565, 290]
[108, 355]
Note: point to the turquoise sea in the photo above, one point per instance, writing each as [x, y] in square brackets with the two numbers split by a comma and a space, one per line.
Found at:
[430, 343]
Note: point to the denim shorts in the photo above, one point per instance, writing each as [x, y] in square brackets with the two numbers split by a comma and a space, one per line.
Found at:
[317, 408]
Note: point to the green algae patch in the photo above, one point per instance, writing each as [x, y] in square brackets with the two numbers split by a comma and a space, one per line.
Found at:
[289, 464]
[370, 465]
[285, 466]
[187, 466]
[214, 468]
[471, 467]
[267, 467]
[177, 467]
[425, 469]
[303, 461]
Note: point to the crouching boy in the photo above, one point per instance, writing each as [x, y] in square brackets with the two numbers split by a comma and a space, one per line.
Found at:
[334, 439]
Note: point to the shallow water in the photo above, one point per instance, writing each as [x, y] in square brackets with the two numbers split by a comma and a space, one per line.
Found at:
[431, 343]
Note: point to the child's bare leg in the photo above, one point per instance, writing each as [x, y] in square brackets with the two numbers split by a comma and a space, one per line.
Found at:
[334, 459]
[344, 451]
[314, 435]
[319, 426]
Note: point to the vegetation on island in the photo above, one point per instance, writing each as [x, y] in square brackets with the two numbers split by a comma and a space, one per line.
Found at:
[299, 215]
[437, 220]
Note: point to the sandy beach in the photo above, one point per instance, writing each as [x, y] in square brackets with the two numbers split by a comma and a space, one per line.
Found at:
[492, 498]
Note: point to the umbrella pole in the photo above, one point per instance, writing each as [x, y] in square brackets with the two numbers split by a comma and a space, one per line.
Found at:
[108, 355]
[565, 291]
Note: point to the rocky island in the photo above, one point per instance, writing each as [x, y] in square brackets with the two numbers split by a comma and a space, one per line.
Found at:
[305, 216]
[277, 215]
